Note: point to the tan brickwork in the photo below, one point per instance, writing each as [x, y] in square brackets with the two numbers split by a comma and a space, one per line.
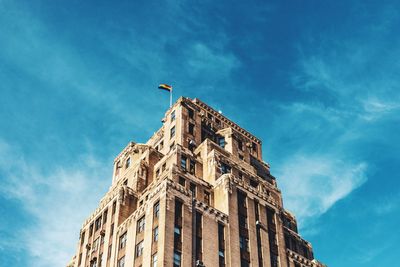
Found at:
[203, 159]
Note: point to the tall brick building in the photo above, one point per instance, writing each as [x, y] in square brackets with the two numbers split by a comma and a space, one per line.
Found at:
[196, 194]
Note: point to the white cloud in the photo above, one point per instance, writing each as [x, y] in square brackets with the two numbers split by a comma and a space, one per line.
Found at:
[57, 201]
[311, 184]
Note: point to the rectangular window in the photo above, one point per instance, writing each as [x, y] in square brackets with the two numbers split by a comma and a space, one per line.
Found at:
[207, 197]
[156, 210]
[90, 230]
[121, 262]
[225, 168]
[105, 216]
[241, 157]
[191, 128]
[82, 237]
[182, 181]
[128, 163]
[240, 145]
[154, 260]
[155, 234]
[172, 132]
[139, 249]
[244, 243]
[172, 115]
[253, 183]
[183, 162]
[157, 173]
[163, 167]
[171, 146]
[109, 251]
[193, 189]
[199, 238]
[140, 225]
[122, 241]
[191, 113]
[192, 166]
[112, 229]
[221, 142]
[114, 207]
[254, 147]
[177, 259]
[217, 121]
[221, 245]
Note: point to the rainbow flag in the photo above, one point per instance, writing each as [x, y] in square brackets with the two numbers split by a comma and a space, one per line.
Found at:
[166, 87]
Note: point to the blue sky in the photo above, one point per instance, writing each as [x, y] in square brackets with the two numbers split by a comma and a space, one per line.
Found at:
[317, 81]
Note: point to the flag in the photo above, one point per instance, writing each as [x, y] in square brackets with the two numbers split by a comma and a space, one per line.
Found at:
[166, 87]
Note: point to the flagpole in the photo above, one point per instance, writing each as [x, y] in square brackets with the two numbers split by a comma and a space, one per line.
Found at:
[170, 98]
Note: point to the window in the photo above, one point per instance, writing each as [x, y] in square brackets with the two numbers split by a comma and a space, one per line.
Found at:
[193, 189]
[90, 230]
[221, 142]
[177, 259]
[217, 121]
[155, 234]
[139, 249]
[80, 259]
[156, 210]
[182, 181]
[172, 132]
[253, 183]
[109, 251]
[161, 145]
[191, 113]
[241, 157]
[225, 168]
[183, 162]
[192, 166]
[254, 146]
[240, 174]
[163, 167]
[121, 262]
[114, 207]
[157, 173]
[96, 244]
[105, 216]
[172, 115]
[244, 243]
[240, 144]
[171, 146]
[154, 260]
[191, 128]
[128, 163]
[122, 241]
[112, 229]
[140, 225]
[93, 263]
[209, 115]
[207, 197]
[82, 237]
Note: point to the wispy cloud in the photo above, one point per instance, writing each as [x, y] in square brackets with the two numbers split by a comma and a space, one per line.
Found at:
[55, 199]
[313, 183]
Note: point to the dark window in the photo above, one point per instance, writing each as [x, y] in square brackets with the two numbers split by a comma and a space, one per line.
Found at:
[161, 145]
[155, 234]
[192, 166]
[109, 251]
[156, 210]
[126, 182]
[193, 189]
[241, 157]
[183, 162]
[191, 128]
[240, 144]
[207, 197]
[253, 183]
[121, 262]
[139, 249]
[82, 237]
[209, 115]
[244, 243]
[164, 166]
[114, 207]
[177, 259]
[122, 241]
[221, 142]
[172, 133]
[182, 181]
[225, 168]
[217, 121]
[128, 163]
[140, 225]
[199, 233]
[221, 245]
[172, 146]
[90, 230]
[254, 146]
[191, 113]
[172, 116]
[157, 173]
[97, 223]
[112, 229]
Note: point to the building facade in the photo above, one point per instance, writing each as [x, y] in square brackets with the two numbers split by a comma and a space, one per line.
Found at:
[196, 194]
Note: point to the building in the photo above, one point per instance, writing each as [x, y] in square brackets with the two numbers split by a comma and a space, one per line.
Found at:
[196, 194]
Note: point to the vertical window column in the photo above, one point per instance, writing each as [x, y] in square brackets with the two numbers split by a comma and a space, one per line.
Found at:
[221, 245]
[273, 244]
[243, 230]
[199, 234]
[178, 233]
[258, 233]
